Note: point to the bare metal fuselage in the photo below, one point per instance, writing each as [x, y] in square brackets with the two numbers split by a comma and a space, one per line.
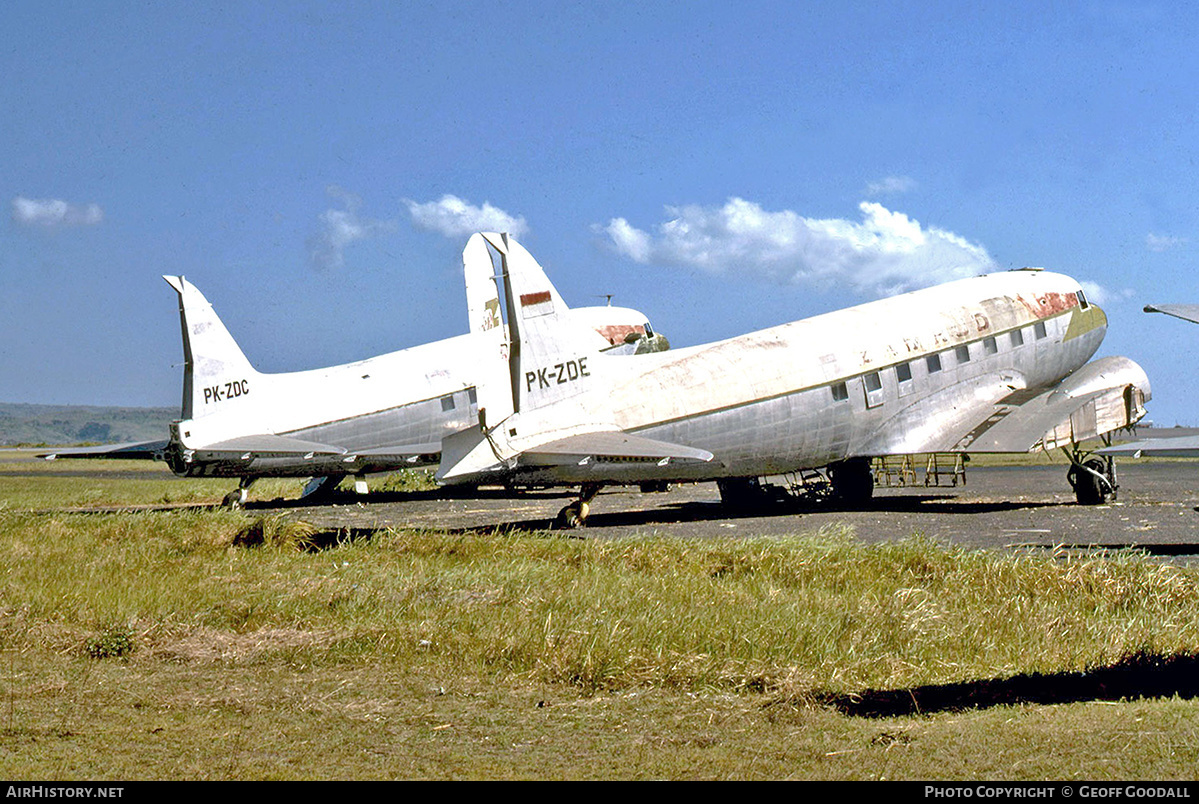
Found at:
[933, 370]
[914, 373]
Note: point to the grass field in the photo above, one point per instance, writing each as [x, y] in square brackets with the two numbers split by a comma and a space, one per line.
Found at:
[207, 644]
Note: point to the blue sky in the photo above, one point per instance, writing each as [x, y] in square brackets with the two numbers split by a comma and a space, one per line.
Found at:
[315, 169]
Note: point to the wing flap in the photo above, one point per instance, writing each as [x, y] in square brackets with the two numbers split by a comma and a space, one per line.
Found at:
[1102, 396]
[401, 450]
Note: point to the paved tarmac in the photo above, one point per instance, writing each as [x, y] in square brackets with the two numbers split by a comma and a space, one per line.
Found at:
[1157, 510]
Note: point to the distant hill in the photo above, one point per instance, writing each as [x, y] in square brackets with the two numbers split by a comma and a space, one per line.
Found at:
[75, 424]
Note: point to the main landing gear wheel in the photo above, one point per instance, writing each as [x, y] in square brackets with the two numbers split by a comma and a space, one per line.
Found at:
[1093, 480]
[575, 514]
[852, 480]
[742, 492]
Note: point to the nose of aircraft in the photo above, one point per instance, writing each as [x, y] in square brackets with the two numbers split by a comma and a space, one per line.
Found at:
[1087, 319]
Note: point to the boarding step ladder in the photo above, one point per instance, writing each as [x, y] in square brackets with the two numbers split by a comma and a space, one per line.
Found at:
[938, 473]
[894, 471]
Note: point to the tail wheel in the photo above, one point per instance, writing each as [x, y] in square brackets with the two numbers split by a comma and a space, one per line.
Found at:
[235, 499]
[575, 514]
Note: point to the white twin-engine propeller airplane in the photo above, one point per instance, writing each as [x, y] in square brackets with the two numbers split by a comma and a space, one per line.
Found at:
[995, 363]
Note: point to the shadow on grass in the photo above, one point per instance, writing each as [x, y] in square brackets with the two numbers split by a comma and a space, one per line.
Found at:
[345, 497]
[1140, 675]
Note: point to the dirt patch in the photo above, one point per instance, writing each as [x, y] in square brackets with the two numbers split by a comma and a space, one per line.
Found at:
[207, 646]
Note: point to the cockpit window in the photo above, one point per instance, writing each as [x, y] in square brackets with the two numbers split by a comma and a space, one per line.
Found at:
[649, 331]
[1082, 299]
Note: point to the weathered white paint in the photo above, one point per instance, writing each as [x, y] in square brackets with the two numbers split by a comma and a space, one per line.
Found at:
[529, 394]
[827, 388]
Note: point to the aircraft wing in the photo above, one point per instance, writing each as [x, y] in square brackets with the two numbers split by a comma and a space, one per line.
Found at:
[1181, 447]
[264, 446]
[1187, 312]
[267, 445]
[1102, 396]
[132, 450]
[615, 445]
[469, 454]
[402, 451]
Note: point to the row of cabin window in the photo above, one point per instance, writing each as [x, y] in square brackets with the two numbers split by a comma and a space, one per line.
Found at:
[447, 401]
[903, 371]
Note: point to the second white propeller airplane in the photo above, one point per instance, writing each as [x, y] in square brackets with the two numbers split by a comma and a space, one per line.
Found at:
[995, 363]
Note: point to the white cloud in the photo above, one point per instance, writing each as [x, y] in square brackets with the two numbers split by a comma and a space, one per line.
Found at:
[1095, 292]
[339, 228]
[891, 185]
[51, 213]
[630, 241]
[886, 252]
[1101, 295]
[1155, 242]
[454, 217]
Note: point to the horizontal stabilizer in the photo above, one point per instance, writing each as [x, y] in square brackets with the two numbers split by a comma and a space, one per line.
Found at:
[133, 450]
[467, 453]
[280, 455]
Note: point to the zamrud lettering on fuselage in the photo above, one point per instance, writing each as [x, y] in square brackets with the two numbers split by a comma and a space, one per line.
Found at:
[557, 374]
[230, 390]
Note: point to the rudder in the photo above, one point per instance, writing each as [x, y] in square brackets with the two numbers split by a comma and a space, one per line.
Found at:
[214, 367]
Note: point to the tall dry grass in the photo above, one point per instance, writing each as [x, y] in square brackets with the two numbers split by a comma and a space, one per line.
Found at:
[817, 612]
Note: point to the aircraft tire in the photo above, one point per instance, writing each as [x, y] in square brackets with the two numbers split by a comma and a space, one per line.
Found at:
[741, 492]
[1090, 489]
[572, 516]
[852, 480]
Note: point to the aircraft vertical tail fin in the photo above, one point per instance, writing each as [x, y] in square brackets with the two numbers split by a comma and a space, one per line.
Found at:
[542, 357]
[214, 367]
[483, 310]
[551, 355]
